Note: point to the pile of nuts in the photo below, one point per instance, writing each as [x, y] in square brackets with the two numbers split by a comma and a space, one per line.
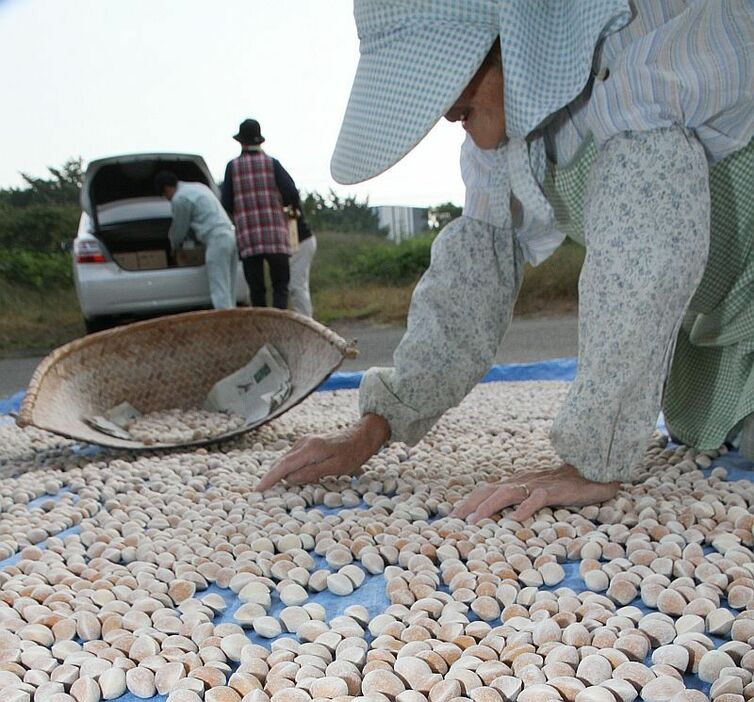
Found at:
[176, 562]
[176, 426]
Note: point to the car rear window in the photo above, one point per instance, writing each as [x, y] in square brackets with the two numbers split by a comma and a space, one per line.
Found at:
[120, 181]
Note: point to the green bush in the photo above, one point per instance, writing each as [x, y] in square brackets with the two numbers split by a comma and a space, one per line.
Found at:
[395, 263]
[335, 214]
[38, 227]
[36, 270]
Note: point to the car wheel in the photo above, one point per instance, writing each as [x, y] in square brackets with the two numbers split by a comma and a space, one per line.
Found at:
[98, 324]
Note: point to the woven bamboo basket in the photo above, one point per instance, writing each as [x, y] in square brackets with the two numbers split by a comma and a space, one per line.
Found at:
[172, 362]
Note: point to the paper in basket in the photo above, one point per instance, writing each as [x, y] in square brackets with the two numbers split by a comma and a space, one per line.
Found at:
[256, 390]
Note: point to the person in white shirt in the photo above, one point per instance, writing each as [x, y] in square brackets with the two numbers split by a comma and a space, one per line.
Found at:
[197, 210]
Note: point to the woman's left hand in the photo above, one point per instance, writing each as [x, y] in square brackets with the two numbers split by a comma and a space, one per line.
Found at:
[561, 487]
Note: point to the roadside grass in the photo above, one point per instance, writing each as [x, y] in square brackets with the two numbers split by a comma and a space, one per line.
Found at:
[353, 277]
[549, 289]
[379, 303]
[33, 320]
[337, 294]
[333, 263]
[552, 288]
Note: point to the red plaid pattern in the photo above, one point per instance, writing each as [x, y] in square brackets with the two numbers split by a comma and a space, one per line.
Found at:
[261, 224]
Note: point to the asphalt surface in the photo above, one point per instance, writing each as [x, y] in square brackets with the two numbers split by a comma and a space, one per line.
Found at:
[528, 340]
[15, 374]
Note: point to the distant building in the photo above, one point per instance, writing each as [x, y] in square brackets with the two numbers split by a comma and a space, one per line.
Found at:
[402, 222]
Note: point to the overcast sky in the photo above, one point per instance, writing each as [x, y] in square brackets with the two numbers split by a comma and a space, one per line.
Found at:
[94, 78]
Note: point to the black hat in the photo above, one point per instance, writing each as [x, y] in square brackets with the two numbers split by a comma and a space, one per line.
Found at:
[249, 133]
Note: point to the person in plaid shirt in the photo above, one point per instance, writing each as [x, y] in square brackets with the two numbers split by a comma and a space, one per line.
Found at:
[255, 190]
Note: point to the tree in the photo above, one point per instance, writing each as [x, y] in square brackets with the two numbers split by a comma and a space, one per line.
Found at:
[440, 215]
[38, 227]
[335, 214]
[64, 186]
[44, 214]
[61, 189]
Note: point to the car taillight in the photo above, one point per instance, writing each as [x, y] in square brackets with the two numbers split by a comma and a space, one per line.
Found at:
[85, 251]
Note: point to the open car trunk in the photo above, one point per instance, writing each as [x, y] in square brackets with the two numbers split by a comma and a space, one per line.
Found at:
[139, 244]
[126, 214]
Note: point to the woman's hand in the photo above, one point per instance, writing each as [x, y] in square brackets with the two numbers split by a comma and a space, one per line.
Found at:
[561, 487]
[340, 453]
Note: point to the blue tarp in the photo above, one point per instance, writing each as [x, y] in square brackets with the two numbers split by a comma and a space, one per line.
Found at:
[555, 369]
[12, 403]
[372, 593]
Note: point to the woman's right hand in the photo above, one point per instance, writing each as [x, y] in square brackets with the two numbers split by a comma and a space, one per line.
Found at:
[339, 453]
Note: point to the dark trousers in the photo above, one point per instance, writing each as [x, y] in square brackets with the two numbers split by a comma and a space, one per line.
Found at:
[253, 270]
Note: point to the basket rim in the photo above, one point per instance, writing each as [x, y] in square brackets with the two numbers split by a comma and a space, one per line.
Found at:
[25, 415]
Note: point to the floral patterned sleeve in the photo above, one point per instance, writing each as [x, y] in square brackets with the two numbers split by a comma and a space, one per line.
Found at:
[647, 230]
[459, 313]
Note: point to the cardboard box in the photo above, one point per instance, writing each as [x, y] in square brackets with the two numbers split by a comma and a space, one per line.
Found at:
[149, 260]
[190, 257]
[129, 261]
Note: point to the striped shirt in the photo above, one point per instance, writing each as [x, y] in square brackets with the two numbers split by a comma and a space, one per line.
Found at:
[261, 224]
[676, 63]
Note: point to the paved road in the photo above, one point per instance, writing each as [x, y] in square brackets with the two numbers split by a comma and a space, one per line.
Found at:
[527, 340]
[15, 374]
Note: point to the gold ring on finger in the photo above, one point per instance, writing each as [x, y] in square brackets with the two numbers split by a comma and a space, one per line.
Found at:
[526, 490]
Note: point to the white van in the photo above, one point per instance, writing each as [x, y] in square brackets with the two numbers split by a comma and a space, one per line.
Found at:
[122, 265]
